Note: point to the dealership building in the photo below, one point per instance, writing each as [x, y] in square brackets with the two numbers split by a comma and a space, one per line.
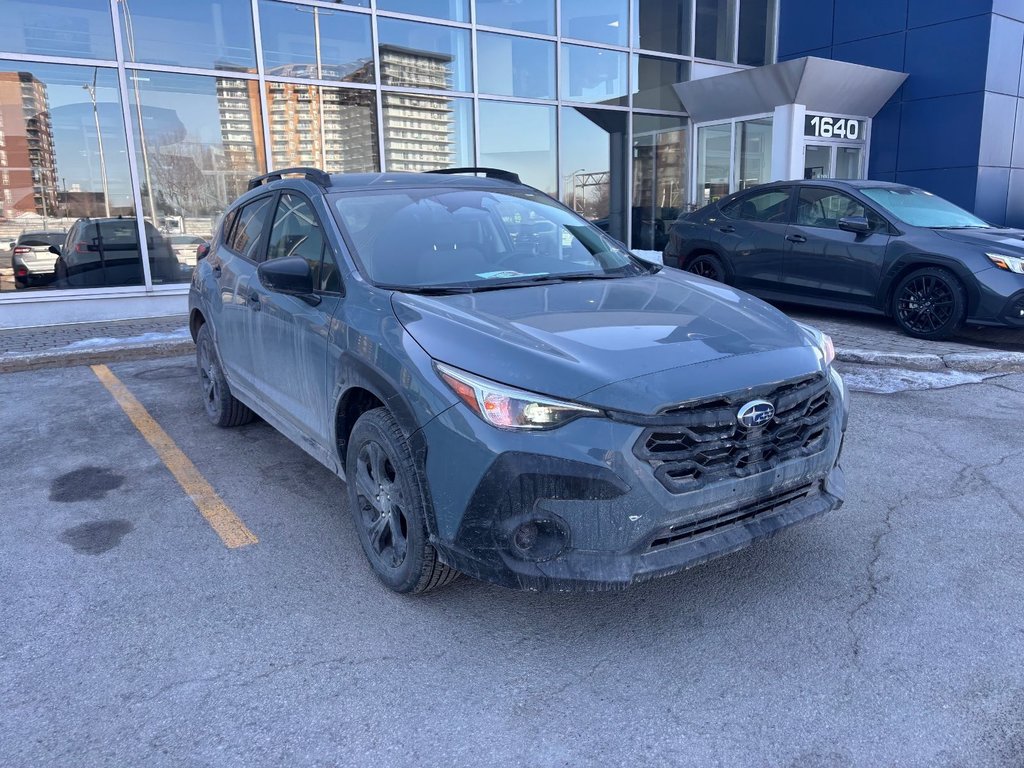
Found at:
[148, 117]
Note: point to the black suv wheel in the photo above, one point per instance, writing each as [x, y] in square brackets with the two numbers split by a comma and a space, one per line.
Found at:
[929, 303]
[386, 501]
[707, 265]
[222, 408]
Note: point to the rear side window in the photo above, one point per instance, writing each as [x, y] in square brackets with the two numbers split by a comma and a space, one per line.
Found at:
[772, 206]
[245, 238]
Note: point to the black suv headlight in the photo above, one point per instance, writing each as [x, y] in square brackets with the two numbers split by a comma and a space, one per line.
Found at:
[509, 408]
[822, 343]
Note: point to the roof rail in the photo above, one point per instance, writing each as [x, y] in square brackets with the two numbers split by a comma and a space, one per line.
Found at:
[490, 173]
[318, 177]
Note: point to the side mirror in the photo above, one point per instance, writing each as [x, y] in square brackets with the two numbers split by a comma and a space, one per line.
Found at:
[12, 245]
[54, 249]
[290, 276]
[856, 224]
[202, 251]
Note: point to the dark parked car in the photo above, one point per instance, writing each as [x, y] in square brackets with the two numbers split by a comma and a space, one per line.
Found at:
[31, 258]
[508, 393]
[99, 252]
[862, 245]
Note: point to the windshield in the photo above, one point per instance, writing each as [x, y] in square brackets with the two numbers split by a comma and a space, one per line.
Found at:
[923, 209]
[41, 238]
[472, 239]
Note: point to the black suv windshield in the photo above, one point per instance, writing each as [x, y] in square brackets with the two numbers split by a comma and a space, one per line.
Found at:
[473, 239]
[923, 209]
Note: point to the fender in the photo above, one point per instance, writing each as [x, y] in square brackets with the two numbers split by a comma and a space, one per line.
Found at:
[927, 260]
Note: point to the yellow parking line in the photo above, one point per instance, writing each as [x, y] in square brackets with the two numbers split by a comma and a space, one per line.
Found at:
[226, 523]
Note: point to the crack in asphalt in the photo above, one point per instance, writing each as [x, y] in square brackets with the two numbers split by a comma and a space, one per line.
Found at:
[873, 582]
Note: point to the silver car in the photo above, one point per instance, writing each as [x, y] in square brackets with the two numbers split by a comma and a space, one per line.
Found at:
[31, 257]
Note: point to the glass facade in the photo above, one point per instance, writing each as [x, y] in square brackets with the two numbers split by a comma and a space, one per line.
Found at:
[127, 127]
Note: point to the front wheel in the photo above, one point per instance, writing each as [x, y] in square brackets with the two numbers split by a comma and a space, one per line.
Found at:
[929, 303]
[222, 408]
[708, 266]
[385, 498]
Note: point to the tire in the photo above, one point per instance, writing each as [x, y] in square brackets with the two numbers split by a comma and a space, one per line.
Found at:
[929, 303]
[386, 500]
[707, 265]
[222, 408]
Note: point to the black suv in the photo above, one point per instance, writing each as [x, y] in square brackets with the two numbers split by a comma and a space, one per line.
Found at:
[862, 245]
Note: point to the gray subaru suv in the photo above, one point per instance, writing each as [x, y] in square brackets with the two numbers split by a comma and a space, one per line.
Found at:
[506, 390]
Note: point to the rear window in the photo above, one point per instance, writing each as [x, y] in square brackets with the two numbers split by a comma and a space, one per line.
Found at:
[41, 238]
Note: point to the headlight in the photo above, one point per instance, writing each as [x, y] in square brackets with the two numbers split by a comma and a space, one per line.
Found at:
[1009, 263]
[822, 343]
[508, 408]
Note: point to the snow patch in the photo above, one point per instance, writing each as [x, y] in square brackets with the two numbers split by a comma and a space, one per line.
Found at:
[180, 334]
[886, 381]
[652, 256]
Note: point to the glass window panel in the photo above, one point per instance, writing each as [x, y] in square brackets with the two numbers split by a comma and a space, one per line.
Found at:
[537, 16]
[594, 75]
[63, 156]
[771, 207]
[756, 44]
[330, 128]
[423, 132]
[714, 156]
[659, 178]
[848, 163]
[198, 142]
[59, 28]
[713, 38]
[754, 152]
[423, 55]
[603, 21]
[520, 138]
[190, 33]
[592, 163]
[653, 79]
[817, 161]
[456, 10]
[343, 51]
[516, 66]
[662, 25]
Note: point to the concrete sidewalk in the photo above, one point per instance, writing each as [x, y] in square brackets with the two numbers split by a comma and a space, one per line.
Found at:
[859, 339]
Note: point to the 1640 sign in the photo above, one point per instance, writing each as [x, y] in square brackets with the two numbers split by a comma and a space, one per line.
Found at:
[822, 127]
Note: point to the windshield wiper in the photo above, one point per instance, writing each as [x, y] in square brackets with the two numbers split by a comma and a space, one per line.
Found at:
[967, 226]
[427, 290]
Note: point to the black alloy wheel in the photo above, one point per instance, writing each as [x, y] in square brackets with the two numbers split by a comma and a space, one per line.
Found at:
[707, 266]
[222, 408]
[929, 304]
[386, 498]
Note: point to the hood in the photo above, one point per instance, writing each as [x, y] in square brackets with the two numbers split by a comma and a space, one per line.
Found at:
[569, 339]
[1010, 240]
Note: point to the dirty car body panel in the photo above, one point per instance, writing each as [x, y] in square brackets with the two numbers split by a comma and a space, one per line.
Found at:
[653, 474]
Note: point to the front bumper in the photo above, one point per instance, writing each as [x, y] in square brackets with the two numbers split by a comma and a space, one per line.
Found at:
[1000, 299]
[596, 518]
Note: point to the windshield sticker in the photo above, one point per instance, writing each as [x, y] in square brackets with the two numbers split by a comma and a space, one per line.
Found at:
[507, 273]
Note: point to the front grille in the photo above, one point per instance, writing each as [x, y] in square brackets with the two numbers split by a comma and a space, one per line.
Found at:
[698, 443]
[695, 528]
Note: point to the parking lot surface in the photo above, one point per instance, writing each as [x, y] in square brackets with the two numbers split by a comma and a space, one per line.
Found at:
[888, 633]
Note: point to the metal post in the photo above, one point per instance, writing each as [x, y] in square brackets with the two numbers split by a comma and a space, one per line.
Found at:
[99, 140]
[138, 110]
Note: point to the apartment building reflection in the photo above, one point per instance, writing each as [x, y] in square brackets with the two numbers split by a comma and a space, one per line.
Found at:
[28, 162]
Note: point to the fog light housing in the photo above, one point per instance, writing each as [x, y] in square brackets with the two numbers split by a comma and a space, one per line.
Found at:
[539, 539]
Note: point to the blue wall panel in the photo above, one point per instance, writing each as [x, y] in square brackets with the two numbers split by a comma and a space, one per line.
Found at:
[955, 184]
[924, 12]
[997, 129]
[941, 133]
[1004, 55]
[993, 189]
[885, 140]
[947, 58]
[804, 25]
[884, 52]
[859, 19]
[1017, 156]
[1012, 8]
[1015, 199]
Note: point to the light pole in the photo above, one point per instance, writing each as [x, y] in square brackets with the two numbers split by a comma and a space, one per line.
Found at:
[138, 110]
[99, 140]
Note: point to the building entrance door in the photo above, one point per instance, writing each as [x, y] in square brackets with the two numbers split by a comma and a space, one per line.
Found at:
[833, 161]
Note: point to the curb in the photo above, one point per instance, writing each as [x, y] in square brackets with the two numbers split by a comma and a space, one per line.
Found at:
[966, 362]
[111, 354]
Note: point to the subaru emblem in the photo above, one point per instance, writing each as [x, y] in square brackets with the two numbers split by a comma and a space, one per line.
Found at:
[756, 413]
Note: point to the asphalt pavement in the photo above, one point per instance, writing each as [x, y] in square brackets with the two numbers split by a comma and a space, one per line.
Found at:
[888, 633]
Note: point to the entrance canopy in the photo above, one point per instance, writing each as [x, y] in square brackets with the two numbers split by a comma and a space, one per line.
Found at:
[820, 85]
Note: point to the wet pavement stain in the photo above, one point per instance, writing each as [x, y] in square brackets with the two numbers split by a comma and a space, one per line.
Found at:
[85, 484]
[96, 537]
[163, 372]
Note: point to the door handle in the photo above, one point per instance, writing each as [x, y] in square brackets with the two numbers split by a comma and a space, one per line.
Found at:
[216, 270]
[727, 228]
[796, 238]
